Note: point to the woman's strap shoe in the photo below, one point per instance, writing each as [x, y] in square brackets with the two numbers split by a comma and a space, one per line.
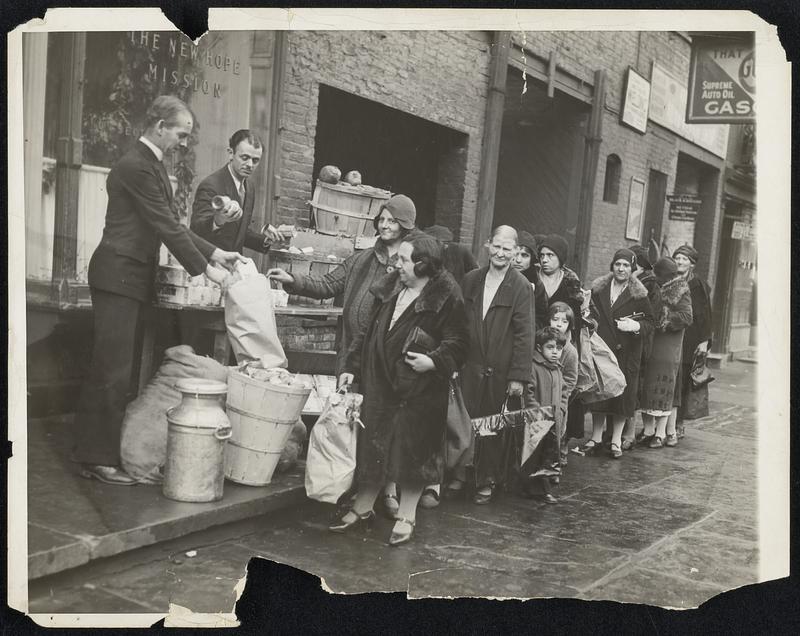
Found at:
[391, 505]
[399, 538]
[341, 525]
[112, 475]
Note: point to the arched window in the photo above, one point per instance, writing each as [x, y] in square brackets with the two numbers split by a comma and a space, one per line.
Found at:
[613, 174]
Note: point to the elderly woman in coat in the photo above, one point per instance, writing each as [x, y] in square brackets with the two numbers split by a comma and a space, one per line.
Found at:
[499, 305]
[658, 388]
[697, 338]
[620, 308]
[405, 382]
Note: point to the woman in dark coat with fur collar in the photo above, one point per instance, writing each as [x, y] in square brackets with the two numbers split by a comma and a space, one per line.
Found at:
[405, 393]
[697, 337]
[664, 362]
[615, 298]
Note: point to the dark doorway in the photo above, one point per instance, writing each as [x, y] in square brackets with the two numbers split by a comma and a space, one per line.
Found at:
[654, 213]
[541, 159]
[393, 150]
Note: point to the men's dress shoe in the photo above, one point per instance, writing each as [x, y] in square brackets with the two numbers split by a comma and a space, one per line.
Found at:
[671, 440]
[429, 499]
[112, 475]
[341, 525]
[399, 538]
[550, 499]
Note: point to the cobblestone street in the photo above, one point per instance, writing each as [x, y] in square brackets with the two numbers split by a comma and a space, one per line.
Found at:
[671, 527]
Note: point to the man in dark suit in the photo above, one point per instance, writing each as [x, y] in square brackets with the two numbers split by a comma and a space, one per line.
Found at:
[139, 217]
[229, 227]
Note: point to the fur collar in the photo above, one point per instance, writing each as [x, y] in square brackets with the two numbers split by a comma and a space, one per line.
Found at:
[432, 297]
[635, 287]
[673, 290]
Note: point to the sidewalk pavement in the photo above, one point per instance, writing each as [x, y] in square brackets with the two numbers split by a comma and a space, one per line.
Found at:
[72, 520]
[671, 527]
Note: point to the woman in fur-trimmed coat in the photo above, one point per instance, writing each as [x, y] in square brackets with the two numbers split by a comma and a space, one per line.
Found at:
[621, 308]
[658, 388]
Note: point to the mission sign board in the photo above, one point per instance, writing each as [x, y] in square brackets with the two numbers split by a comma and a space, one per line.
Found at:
[722, 80]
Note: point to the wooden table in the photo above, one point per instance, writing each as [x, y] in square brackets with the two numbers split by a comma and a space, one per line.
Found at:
[212, 318]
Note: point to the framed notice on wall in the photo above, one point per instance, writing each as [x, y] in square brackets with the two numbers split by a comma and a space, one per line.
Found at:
[635, 101]
[633, 229]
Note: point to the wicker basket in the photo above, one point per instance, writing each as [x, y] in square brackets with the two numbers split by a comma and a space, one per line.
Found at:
[346, 209]
[308, 264]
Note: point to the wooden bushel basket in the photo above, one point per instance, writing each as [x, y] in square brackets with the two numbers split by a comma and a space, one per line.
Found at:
[347, 210]
[307, 264]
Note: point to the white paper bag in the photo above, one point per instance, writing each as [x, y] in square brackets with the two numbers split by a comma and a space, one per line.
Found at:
[250, 320]
[331, 460]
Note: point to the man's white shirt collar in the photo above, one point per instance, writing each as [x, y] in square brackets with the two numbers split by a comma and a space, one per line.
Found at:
[156, 150]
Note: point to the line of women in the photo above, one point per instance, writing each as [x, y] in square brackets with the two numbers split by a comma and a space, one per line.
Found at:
[422, 329]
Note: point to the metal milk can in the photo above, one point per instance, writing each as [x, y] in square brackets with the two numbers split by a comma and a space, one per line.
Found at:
[197, 431]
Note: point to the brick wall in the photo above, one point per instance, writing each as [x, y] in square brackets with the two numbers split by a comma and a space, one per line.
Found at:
[304, 333]
[580, 54]
[436, 75]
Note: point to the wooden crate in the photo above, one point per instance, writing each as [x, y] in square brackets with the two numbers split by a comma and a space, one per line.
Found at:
[345, 209]
[307, 264]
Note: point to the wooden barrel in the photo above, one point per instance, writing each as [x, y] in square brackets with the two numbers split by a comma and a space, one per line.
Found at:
[307, 264]
[262, 416]
[345, 209]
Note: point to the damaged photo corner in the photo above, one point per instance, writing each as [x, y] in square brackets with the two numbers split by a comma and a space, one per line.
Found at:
[602, 135]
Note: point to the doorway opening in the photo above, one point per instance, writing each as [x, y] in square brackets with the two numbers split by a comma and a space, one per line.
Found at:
[395, 151]
[540, 164]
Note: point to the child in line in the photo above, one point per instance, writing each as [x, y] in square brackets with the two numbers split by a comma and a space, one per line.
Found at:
[545, 389]
[562, 318]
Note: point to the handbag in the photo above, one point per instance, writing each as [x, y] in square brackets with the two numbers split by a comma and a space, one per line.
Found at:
[458, 432]
[331, 460]
[700, 374]
[610, 378]
[418, 341]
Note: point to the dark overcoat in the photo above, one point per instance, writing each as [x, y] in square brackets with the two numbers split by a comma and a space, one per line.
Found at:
[659, 376]
[699, 331]
[627, 347]
[648, 279]
[232, 236]
[139, 217]
[569, 291]
[404, 413]
[501, 345]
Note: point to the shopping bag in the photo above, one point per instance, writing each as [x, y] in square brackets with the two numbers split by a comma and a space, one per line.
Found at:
[528, 444]
[695, 403]
[537, 423]
[610, 378]
[458, 432]
[250, 321]
[700, 374]
[587, 375]
[331, 460]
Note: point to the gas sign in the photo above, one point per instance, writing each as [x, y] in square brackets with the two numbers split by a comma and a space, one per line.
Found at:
[722, 79]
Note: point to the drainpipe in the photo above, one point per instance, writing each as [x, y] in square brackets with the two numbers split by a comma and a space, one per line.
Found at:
[69, 155]
[591, 154]
[490, 150]
[273, 189]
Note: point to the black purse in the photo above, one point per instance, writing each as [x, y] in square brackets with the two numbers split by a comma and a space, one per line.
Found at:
[419, 341]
